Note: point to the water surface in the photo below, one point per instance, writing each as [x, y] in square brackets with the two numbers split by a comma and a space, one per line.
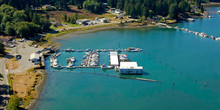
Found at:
[170, 56]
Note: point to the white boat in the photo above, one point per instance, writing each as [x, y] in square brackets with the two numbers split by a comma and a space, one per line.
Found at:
[210, 16]
[217, 39]
[218, 12]
[104, 66]
[190, 19]
[196, 33]
[212, 37]
[73, 59]
[51, 60]
[57, 66]
[70, 65]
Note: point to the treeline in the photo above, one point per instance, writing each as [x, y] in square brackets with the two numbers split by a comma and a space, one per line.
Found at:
[23, 23]
[2, 49]
[134, 8]
[150, 8]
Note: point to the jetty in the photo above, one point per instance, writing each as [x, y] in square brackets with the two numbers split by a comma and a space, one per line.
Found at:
[201, 34]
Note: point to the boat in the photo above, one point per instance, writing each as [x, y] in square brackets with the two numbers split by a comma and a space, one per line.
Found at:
[111, 50]
[73, 59]
[133, 49]
[104, 66]
[104, 50]
[218, 12]
[87, 50]
[210, 16]
[190, 19]
[57, 66]
[68, 50]
[70, 65]
[196, 33]
[79, 50]
[212, 37]
[217, 39]
[68, 60]
[51, 60]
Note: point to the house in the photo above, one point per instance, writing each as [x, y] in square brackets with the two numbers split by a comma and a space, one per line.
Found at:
[130, 68]
[5, 39]
[58, 24]
[112, 10]
[82, 22]
[118, 11]
[104, 20]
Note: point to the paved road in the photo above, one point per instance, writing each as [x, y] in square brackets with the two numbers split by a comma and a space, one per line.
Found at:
[4, 81]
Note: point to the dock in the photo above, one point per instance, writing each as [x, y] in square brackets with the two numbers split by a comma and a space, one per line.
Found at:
[129, 49]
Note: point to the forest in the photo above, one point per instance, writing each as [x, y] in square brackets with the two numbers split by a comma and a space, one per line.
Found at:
[24, 23]
[134, 8]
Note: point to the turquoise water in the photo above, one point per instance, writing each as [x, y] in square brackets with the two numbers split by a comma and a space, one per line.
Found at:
[169, 55]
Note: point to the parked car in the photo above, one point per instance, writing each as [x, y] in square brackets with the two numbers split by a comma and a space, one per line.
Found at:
[18, 57]
[35, 46]
[11, 46]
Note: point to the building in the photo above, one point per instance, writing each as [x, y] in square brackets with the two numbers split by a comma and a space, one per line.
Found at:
[118, 11]
[114, 59]
[35, 57]
[104, 20]
[130, 68]
[82, 22]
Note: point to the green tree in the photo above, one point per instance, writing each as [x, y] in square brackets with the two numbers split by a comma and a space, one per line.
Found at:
[202, 9]
[173, 11]
[151, 13]
[19, 16]
[9, 29]
[26, 29]
[13, 103]
[65, 18]
[2, 48]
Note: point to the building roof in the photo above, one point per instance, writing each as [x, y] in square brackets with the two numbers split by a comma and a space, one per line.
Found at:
[114, 58]
[34, 56]
[129, 65]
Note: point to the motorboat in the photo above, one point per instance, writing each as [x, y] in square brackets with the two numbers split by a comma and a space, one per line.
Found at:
[190, 19]
[104, 66]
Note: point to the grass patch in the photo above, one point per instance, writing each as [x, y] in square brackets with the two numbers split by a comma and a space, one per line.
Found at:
[23, 85]
[8, 50]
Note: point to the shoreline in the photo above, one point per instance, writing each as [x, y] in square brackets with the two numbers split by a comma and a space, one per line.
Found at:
[210, 4]
[97, 29]
[39, 89]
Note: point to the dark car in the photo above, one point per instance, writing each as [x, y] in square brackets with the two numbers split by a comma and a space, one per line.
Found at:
[18, 57]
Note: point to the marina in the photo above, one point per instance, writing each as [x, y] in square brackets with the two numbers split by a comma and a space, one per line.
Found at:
[119, 62]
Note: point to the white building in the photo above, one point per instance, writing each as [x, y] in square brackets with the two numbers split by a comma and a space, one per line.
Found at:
[35, 57]
[114, 58]
[130, 68]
